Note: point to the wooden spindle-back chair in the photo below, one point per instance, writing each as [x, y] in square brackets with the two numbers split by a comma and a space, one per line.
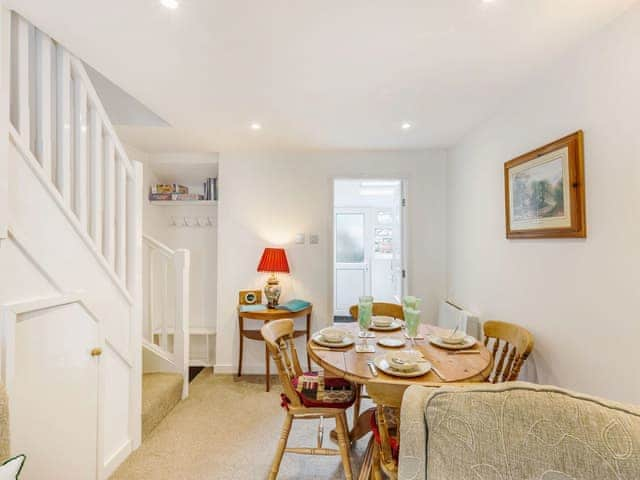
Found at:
[381, 309]
[510, 346]
[278, 335]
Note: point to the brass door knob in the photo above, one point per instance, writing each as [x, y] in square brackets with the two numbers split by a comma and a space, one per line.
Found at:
[96, 352]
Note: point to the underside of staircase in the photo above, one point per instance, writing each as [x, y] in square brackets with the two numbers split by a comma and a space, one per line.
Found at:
[161, 392]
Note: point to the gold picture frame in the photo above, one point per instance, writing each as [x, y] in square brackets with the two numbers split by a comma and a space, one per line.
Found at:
[545, 191]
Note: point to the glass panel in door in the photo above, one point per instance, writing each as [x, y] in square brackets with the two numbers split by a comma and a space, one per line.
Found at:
[351, 258]
[350, 237]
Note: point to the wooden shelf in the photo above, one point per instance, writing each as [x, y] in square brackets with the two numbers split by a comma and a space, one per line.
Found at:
[182, 203]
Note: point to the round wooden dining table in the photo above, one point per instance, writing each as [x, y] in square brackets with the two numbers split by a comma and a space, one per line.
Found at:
[449, 367]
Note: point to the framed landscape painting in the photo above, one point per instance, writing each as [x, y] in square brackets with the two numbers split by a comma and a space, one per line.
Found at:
[544, 191]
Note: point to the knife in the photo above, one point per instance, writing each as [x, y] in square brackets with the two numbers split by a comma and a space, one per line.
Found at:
[372, 367]
[435, 370]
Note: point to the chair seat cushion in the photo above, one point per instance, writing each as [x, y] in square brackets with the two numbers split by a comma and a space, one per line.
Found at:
[315, 390]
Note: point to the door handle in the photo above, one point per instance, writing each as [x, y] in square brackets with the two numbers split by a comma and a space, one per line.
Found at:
[96, 352]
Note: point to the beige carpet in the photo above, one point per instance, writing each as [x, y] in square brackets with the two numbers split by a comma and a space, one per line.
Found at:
[227, 430]
[161, 392]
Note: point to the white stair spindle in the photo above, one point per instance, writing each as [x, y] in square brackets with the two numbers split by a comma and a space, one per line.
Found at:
[109, 230]
[80, 196]
[151, 306]
[95, 181]
[121, 220]
[134, 229]
[164, 336]
[44, 103]
[24, 81]
[63, 166]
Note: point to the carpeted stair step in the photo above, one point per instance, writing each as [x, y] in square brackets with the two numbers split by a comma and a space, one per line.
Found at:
[160, 393]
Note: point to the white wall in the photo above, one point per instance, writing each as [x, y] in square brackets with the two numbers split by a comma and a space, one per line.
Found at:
[266, 198]
[580, 298]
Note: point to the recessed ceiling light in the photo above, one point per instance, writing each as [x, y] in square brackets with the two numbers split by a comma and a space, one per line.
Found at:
[256, 126]
[406, 126]
[171, 4]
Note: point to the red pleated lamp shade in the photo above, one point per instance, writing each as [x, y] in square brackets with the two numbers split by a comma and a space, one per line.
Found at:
[274, 260]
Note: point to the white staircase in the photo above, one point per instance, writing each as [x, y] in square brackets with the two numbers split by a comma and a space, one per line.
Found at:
[71, 300]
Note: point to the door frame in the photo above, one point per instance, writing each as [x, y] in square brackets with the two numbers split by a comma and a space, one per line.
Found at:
[404, 185]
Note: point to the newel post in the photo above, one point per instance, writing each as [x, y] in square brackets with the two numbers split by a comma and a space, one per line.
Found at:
[181, 339]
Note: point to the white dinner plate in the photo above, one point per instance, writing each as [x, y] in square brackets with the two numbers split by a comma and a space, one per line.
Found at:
[346, 341]
[391, 342]
[395, 325]
[468, 342]
[422, 369]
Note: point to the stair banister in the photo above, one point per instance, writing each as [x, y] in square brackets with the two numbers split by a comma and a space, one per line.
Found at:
[53, 102]
[168, 272]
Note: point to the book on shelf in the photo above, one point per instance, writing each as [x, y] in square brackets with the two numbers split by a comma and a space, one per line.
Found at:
[211, 189]
[187, 196]
[168, 188]
[159, 196]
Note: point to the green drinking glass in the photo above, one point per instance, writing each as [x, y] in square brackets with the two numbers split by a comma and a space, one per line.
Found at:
[411, 302]
[365, 312]
[412, 322]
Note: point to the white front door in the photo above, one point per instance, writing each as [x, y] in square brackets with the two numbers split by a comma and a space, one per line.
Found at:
[352, 257]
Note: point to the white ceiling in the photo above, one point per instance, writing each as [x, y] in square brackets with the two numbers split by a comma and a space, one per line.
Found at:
[122, 108]
[316, 74]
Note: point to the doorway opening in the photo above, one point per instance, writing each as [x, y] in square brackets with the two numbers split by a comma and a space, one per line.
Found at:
[368, 242]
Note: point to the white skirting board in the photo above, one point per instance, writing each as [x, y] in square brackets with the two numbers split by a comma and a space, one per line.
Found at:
[116, 459]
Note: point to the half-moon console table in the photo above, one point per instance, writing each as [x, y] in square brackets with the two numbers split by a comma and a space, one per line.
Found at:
[266, 316]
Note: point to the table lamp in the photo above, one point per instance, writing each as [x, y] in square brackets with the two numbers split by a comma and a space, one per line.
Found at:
[274, 260]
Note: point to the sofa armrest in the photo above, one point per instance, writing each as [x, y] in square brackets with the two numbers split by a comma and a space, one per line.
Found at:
[413, 433]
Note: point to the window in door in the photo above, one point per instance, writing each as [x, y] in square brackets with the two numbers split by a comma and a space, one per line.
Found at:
[350, 237]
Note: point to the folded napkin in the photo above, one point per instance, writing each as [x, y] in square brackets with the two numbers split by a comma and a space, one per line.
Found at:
[294, 305]
[253, 308]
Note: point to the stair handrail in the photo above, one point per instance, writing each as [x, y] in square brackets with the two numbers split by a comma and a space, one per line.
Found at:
[180, 261]
[152, 242]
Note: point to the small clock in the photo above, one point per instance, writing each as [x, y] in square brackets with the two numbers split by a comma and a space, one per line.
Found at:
[250, 297]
